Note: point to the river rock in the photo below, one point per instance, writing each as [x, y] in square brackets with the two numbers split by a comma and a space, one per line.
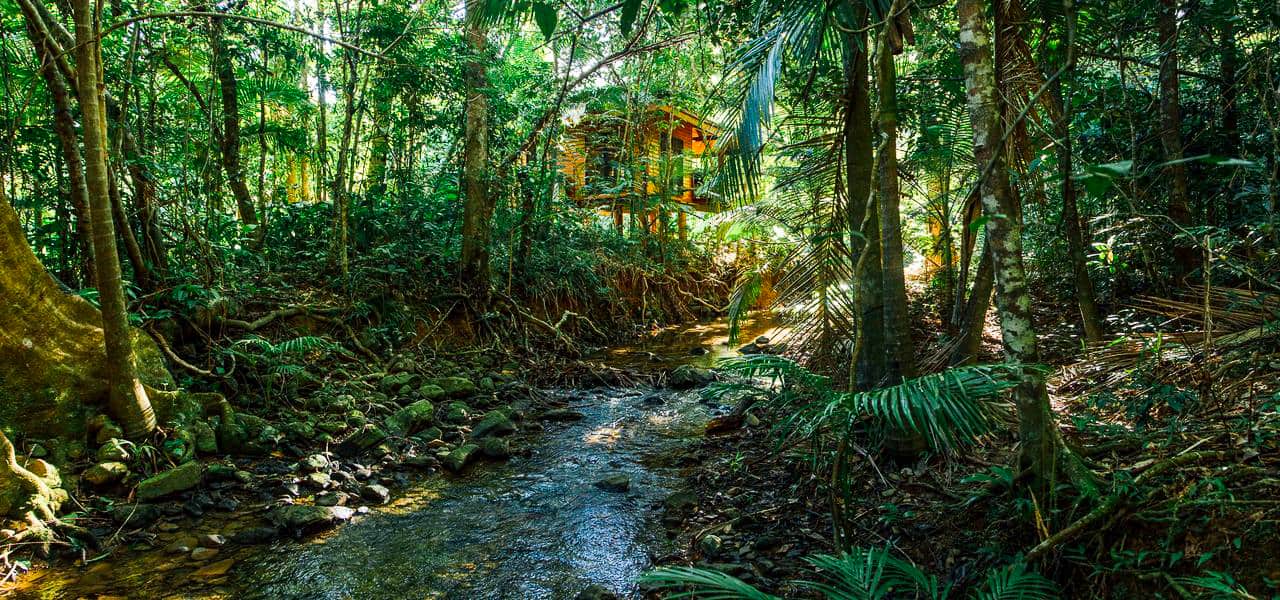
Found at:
[114, 450]
[318, 480]
[710, 545]
[615, 482]
[203, 553]
[104, 474]
[455, 413]
[331, 499]
[314, 463]
[459, 457]
[496, 448]
[686, 377]
[108, 431]
[455, 387]
[377, 494]
[596, 591]
[211, 540]
[494, 423]
[432, 392]
[255, 535]
[214, 570]
[177, 479]
[395, 383]
[135, 515]
[561, 414]
[302, 518]
[367, 437]
[680, 503]
[411, 418]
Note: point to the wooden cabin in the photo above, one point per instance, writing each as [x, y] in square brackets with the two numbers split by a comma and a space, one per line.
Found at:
[620, 166]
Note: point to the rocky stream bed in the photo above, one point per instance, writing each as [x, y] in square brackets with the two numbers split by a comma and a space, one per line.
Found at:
[563, 502]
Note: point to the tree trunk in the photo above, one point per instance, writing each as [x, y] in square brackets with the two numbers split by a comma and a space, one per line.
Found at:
[898, 349]
[225, 68]
[127, 399]
[1171, 134]
[973, 313]
[1229, 64]
[65, 127]
[478, 206]
[1086, 298]
[340, 251]
[1039, 442]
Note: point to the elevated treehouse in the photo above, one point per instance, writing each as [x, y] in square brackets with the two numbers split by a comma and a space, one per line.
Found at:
[640, 169]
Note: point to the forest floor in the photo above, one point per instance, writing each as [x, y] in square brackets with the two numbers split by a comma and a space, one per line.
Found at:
[1212, 525]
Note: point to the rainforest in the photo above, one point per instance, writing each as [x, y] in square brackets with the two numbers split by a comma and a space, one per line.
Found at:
[622, 299]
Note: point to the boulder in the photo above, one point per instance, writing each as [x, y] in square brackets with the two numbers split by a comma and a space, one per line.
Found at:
[432, 392]
[377, 494]
[411, 418]
[104, 474]
[561, 414]
[214, 570]
[313, 463]
[115, 450]
[455, 387]
[206, 439]
[494, 423]
[456, 413]
[173, 481]
[686, 377]
[460, 457]
[496, 448]
[615, 482]
[368, 437]
[392, 384]
[302, 518]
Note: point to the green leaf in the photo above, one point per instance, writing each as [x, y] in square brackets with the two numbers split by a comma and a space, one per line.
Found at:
[630, 9]
[546, 17]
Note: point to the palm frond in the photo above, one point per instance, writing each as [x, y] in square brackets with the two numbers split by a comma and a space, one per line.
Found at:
[702, 583]
[1015, 582]
[950, 408]
[867, 574]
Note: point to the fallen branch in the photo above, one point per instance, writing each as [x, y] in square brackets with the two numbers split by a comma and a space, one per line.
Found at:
[1116, 501]
[282, 313]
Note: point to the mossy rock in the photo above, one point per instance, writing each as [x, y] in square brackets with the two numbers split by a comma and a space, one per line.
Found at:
[455, 387]
[461, 456]
[175, 480]
[432, 392]
[411, 418]
[494, 423]
[455, 413]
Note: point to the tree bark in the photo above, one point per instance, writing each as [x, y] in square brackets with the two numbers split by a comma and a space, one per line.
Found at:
[65, 127]
[478, 206]
[1039, 442]
[864, 231]
[127, 399]
[898, 348]
[1187, 258]
[228, 87]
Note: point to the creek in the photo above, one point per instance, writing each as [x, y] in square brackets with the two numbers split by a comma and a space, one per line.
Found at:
[534, 527]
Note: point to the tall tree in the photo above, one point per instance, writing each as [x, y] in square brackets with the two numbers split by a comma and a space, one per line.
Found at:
[1171, 132]
[1004, 237]
[477, 205]
[127, 398]
[1061, 56]
[228, 86]
[898, 347]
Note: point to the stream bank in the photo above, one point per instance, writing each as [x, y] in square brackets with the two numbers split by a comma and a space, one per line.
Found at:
[576, 507]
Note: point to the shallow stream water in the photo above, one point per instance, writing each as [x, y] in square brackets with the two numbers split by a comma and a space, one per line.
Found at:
[534, 527]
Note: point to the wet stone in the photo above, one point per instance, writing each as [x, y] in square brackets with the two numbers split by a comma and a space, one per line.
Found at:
[615, 482]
